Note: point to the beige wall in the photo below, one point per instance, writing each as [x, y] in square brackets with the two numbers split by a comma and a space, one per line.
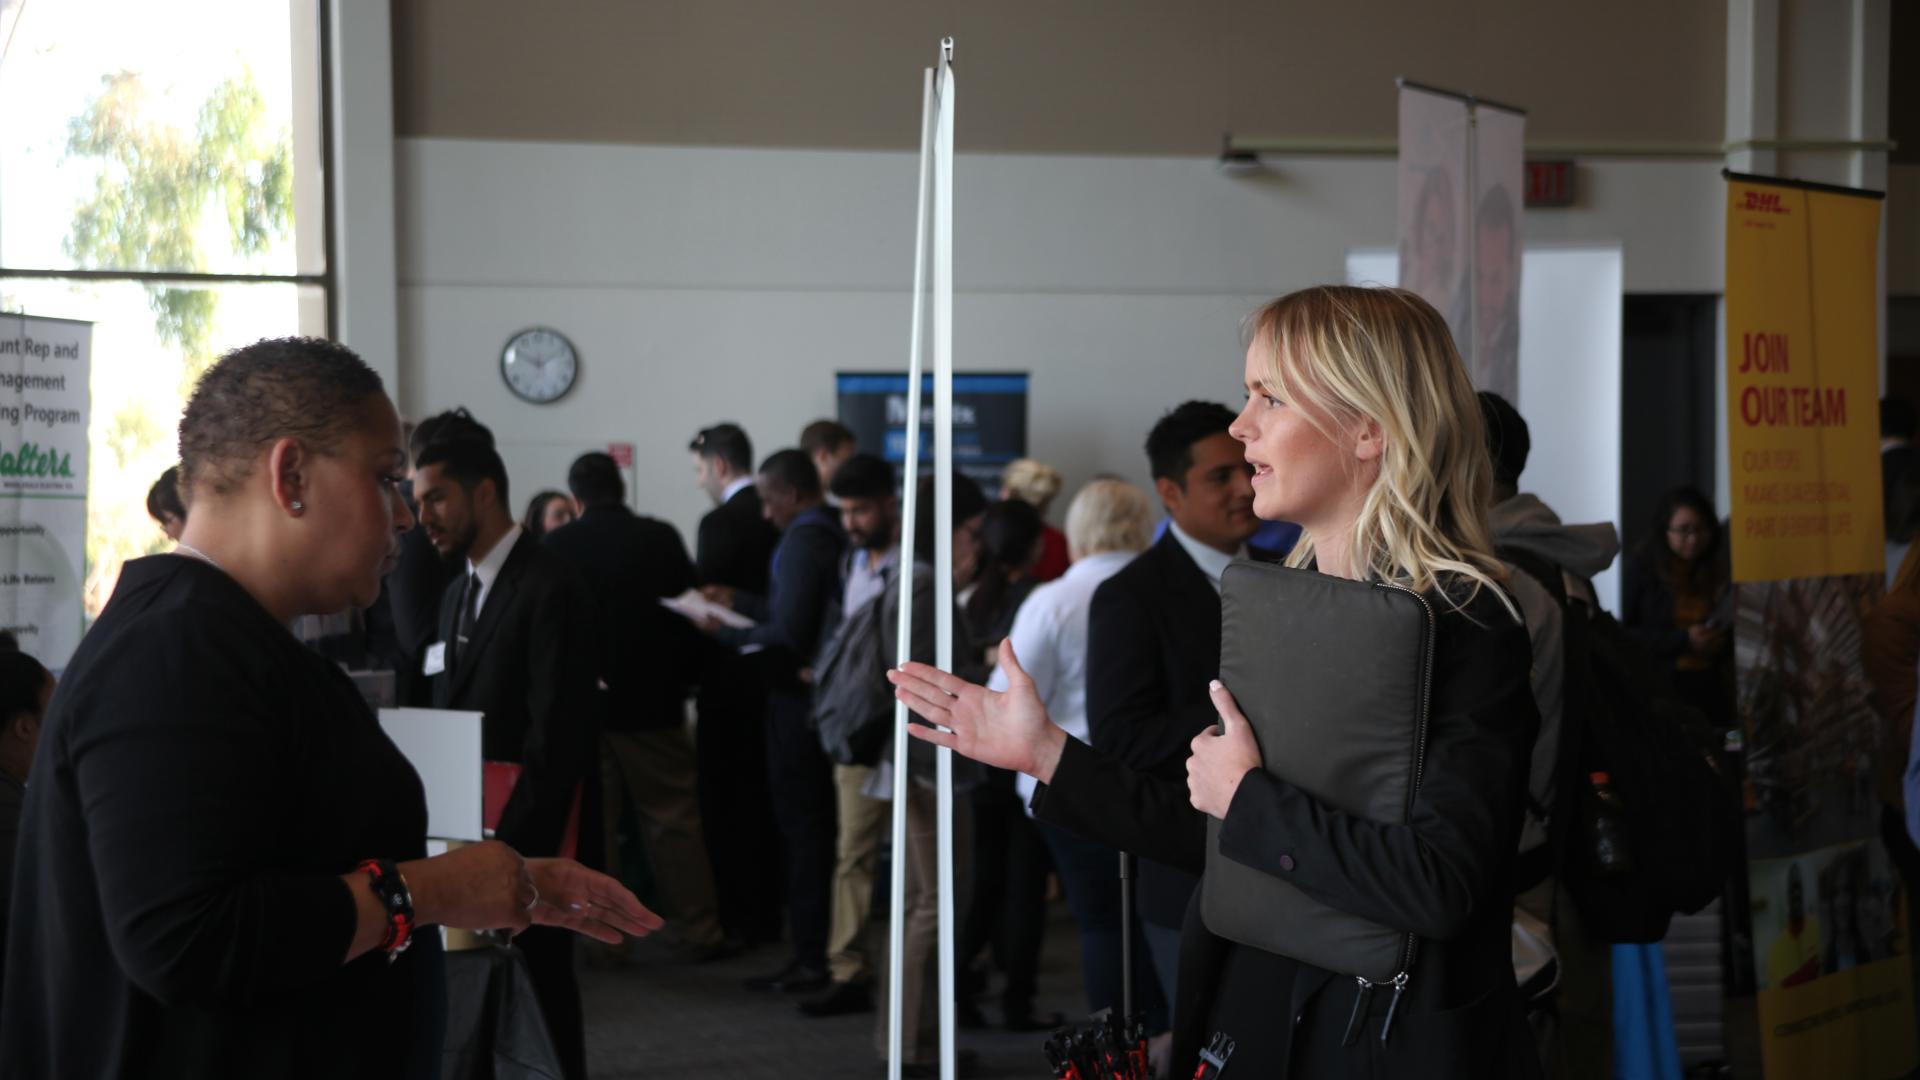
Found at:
[1046, 76]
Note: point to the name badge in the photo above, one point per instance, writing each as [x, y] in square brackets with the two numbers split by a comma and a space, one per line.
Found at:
[436, 659]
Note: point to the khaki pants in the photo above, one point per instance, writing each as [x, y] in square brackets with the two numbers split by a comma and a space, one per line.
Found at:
[919, 982]
[656, 770]
[863, 824]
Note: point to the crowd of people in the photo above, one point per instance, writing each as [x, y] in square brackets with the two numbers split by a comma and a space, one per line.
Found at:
[206, 777]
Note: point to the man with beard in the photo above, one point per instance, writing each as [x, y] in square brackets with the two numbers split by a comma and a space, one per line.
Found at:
[516, 645]
[853, 710]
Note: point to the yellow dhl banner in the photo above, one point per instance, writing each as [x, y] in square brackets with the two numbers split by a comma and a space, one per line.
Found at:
[1803, 380]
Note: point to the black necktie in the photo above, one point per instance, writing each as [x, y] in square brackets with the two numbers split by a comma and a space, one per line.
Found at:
[463, 624]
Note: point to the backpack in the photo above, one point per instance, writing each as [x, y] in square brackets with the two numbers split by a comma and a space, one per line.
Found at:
[1676, 816]
[852, 700]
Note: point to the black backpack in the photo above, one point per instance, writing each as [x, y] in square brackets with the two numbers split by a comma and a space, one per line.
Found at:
[1677, 816]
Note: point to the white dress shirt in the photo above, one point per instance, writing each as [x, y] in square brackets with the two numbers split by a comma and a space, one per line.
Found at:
[1049, 637]
[740, 484]
[1211, 561]
[488, 569]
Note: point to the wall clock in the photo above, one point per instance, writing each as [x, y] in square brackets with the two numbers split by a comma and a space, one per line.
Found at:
[539, 365]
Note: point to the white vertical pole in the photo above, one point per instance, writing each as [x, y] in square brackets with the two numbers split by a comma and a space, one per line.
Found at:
[903, 640]
[943, 526]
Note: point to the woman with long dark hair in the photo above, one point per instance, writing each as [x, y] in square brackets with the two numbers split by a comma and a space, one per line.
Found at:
[1361, 426]
[1678, 601]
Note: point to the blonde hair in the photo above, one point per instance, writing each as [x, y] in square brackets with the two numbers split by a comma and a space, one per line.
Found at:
[1354, 355]
[1108, 515]
[1032, 482]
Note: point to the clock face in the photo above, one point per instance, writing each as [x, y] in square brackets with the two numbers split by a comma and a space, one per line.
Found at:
[539, 365]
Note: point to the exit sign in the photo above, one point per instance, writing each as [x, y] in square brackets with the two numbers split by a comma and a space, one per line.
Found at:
[1549, 183]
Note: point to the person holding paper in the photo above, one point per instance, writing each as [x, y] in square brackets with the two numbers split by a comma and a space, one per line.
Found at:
[517, 645]
[798, 613]
[225, 874]
[1361, 425]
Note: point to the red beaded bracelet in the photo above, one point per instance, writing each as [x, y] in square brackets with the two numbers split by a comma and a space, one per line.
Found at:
[391, 890]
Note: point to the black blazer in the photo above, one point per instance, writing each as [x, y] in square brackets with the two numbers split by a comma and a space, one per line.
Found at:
[735, 544]
[647, 653]
[531, 668]
[201, 784]
[1446, 877]
[1153, 645]
[802, 605]
[412, 591]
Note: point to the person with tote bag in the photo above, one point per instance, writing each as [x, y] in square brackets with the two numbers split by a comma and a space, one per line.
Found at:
[1356, 823]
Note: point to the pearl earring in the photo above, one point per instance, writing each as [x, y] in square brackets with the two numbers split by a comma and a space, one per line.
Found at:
[298, 506]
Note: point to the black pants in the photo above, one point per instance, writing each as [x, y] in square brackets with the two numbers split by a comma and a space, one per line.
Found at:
[1090, 873]
[1009, 906]
[736, 809]
[800, 776]
[549, 952]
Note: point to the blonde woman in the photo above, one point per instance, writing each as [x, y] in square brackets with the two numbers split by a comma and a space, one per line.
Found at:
[1361, 426]
[1036, 483]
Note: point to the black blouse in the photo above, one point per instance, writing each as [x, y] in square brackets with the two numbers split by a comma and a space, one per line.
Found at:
[201, 783]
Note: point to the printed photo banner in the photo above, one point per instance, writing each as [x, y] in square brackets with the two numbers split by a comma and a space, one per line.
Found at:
[1803, 380]
[44, 406]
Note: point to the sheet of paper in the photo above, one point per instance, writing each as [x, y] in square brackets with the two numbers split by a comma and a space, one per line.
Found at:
[694, 606]
[444, 748]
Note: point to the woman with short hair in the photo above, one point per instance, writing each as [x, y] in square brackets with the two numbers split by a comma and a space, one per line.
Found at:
[226, 874]
[1362, 427]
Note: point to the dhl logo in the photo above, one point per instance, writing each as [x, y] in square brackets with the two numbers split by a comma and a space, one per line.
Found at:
[1765, 202]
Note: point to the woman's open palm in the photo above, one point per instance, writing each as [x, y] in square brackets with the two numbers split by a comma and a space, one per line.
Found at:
[1008, 730]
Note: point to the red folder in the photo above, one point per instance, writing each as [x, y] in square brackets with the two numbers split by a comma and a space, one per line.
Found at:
[497, 784]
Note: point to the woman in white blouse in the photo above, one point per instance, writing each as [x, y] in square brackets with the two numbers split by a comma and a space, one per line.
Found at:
[1108, 523]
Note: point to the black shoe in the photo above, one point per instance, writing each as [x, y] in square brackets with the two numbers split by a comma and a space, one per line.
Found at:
[795, 978]
[1025, 1020]
[841, 999]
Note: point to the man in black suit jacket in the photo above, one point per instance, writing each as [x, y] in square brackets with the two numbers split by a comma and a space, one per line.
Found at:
[732, 551]
[1153, 641]
[516, 644]
[796, 617]
[735, 543]
[646, 666]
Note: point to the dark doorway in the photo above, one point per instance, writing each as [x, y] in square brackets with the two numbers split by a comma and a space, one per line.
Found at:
[1667, 408]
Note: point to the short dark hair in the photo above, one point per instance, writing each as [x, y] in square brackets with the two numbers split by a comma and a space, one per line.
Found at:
[729, 443]
[1897, 419]
[163, 498]
[595, 479]
[862, 476]
[828, 435]
[467, 461]
[1508, 441]
[792, 469]
[21, 680]
[968, 500]
[1170, 443]
[298, 387]
[455, 423]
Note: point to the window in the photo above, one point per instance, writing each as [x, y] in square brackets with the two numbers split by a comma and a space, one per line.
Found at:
[163, 176]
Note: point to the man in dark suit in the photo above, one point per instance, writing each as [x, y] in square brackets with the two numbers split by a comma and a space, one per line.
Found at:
[411, 591]
[1153, 640]
[732, 551]
[646, 663]
[516, 644]
[793, 620]
[735, 542]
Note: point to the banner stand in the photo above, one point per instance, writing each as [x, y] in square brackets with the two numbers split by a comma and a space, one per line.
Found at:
[933, 234]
